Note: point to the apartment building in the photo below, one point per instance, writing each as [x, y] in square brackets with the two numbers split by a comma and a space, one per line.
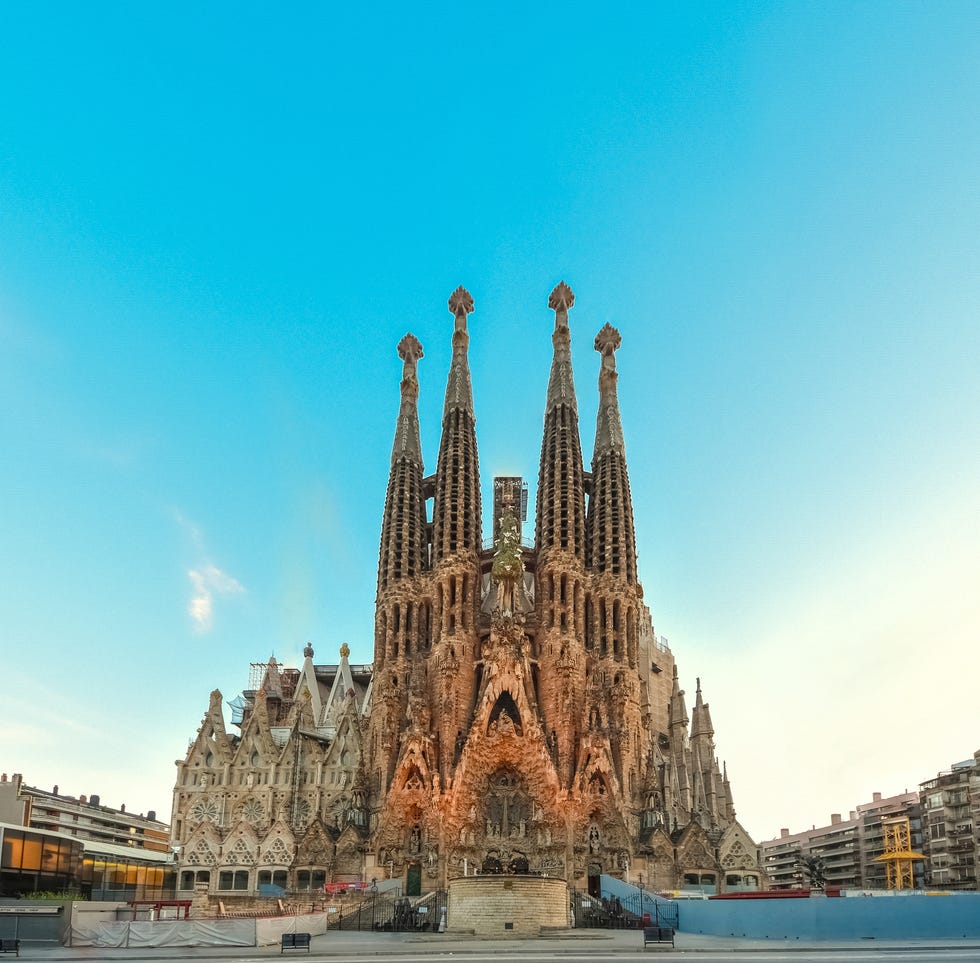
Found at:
[951, 806]
[847, 849]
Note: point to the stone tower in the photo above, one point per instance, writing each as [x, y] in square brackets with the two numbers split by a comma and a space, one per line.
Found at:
[523, 714]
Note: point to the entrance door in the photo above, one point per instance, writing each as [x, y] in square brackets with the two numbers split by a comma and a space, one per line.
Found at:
[413, 880]
[595, 881]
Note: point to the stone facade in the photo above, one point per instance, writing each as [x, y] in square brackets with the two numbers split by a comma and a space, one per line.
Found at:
[279, 804]
[520, 711]
[523, 709]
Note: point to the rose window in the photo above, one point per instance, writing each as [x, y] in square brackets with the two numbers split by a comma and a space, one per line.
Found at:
[205, 809]
[253, 811]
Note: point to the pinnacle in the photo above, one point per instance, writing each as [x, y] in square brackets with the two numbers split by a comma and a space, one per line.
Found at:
[410, 348]
[461, 302]
[608, 340]
[562, 298]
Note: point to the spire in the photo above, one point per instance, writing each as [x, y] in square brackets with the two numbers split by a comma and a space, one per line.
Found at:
[403, 530]
[678, 708]
[561, 387]
[609, 429]
[459, 390]
[611, 537]
[456, 518]
[560, 519]
[701, 717]
[407, 443]
[729, 801]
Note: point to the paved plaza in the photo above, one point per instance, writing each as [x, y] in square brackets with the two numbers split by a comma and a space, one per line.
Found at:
[595, 945]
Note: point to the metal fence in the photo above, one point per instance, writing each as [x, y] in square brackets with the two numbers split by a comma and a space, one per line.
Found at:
[630, 912]
[398, 914]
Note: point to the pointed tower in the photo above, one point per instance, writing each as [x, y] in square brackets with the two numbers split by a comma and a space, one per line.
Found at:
[456, 545]
[679, 749]
[402, 614]
[456, 517]
[614, 611]
[560, 543]
[703, 751]
[612, 542]
[403, 532]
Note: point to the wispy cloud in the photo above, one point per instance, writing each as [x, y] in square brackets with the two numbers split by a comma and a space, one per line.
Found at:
[207, 582]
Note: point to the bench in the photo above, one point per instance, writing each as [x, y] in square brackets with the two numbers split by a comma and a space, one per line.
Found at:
[295, 941]
[10, 946]
[657, 934]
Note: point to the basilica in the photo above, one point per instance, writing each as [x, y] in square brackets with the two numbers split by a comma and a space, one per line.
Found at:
[520, 714]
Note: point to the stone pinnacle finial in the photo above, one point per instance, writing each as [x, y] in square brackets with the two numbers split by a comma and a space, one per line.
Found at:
[560, 301]
[460, 304]
[607, 341]
[410, 349]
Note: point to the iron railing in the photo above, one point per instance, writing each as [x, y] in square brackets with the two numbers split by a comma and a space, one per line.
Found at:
[397, 914]
[630, 912]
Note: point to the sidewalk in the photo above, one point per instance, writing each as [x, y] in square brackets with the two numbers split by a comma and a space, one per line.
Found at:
[573, 943]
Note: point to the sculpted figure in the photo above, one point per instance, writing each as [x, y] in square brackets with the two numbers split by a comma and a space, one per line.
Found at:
[507, 570]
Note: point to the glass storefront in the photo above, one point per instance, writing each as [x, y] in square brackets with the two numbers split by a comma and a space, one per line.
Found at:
[33, 861]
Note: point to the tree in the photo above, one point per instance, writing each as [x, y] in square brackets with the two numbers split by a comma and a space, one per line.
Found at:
[810, 870]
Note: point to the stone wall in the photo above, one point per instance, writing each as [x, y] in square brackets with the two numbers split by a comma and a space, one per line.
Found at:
[502, 906]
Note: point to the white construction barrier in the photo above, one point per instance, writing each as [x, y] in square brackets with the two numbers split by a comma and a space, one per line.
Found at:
[269, 930]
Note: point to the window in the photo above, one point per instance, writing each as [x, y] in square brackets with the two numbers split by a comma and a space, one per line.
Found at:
[233, 880]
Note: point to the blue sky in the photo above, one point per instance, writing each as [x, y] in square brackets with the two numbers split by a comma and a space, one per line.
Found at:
[216, 222]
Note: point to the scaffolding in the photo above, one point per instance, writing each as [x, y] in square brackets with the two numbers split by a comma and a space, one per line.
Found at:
[898, 856]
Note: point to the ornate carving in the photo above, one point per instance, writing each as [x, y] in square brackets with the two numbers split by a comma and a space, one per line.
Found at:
[608, 341]
[561, 298]
[205, 810]
[461, 303]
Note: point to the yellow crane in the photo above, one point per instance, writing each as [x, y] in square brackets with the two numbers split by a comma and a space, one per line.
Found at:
[898, 856]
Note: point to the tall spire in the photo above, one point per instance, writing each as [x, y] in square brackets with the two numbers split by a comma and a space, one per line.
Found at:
[701, 717]
[403, 531]
[612, 540]
[561, 387]
[678, 708]
[407, 443]
[459, 390]
[609, 429]
[456, 507]
[560, 519]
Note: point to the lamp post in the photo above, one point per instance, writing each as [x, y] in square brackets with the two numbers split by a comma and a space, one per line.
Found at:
[640, 879]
